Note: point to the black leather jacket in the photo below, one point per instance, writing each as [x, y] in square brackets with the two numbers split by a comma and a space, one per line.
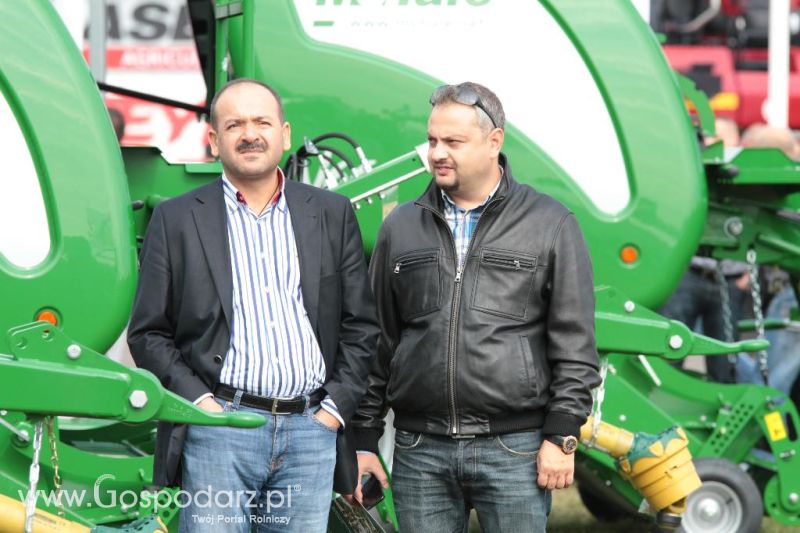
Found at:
[506, 345]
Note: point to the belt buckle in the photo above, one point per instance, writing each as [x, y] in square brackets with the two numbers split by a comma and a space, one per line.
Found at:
[462, 437]
[274, 409]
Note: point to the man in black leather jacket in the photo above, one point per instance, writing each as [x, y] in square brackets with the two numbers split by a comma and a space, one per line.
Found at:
[487, 355]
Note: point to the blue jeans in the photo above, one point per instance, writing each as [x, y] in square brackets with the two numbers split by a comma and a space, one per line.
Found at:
[278, 477]
[784, 345]
[747, 370]
[436, 480]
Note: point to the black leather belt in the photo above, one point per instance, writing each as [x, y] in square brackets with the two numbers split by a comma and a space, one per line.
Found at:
[276, 406]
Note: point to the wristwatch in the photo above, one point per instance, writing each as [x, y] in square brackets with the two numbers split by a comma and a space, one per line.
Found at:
[567, 443]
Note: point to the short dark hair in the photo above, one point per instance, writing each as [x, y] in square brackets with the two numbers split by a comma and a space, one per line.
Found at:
[239, 81]
[486, 104]
[118, 121]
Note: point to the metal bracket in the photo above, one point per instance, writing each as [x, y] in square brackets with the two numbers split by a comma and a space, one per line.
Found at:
[227, 10]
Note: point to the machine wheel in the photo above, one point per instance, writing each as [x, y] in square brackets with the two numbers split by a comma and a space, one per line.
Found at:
[727, 501]
[601, 507]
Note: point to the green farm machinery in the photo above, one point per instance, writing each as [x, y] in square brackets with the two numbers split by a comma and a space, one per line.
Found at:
[87, 423]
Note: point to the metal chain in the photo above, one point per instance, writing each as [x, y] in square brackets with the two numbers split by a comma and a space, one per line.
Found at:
[724, 298]
[727, 321]
[755, 292]
[597, 400]
[33, 477]
[51, 436]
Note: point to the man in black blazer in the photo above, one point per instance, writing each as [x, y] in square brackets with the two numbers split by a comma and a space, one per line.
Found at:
[253, 295]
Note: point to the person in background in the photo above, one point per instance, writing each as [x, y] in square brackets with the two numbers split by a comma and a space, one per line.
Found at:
[783, 354]
[727, 131]
[698, 300]
[698, 303]
[763, 136]
[118, 121]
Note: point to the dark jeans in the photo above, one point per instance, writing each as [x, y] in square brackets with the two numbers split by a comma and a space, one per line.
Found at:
[698, 297]
[436, 480]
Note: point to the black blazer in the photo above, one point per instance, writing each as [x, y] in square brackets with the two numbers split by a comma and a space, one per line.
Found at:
[179, 328]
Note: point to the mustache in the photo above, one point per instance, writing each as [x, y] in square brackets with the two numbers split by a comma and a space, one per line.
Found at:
[255, 145]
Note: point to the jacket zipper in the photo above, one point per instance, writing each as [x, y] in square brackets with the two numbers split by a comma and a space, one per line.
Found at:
[516, 264]
[455, 310]
[413, 261]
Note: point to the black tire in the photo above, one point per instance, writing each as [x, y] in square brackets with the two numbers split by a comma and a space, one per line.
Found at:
[728, 501]
[601, 506]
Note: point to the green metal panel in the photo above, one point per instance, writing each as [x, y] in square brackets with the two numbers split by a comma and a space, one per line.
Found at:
[754, 202]
[152, 179]
[89, 276]
[47, 374]
[665, 216]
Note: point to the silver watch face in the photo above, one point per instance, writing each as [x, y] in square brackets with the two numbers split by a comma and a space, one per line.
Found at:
[570, 444]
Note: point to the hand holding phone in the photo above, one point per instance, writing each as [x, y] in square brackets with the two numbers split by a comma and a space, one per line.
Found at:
[371, 492]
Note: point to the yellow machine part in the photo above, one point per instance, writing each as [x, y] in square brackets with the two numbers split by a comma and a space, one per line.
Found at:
[12, 520]
[613, 440]
[665, 479]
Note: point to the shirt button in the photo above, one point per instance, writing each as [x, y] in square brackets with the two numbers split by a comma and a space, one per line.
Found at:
[218, 359]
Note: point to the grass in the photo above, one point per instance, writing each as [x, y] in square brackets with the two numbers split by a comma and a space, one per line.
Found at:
[570, 516]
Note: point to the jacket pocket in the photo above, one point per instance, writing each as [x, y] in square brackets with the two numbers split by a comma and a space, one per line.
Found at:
[416, 283]
[503, 282]
[529, 375]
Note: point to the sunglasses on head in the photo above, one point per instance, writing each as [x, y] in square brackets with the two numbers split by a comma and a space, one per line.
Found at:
[464, 95]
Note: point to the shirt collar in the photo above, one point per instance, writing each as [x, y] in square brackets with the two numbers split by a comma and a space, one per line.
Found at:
[235, 200]
[449, 204]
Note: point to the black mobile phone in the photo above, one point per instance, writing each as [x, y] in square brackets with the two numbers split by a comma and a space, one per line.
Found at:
[371, 492]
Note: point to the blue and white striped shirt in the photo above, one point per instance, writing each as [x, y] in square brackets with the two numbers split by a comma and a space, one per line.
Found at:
[273, 350]
[462, 222]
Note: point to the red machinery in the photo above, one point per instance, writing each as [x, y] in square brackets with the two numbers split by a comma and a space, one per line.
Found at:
[722, 46]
